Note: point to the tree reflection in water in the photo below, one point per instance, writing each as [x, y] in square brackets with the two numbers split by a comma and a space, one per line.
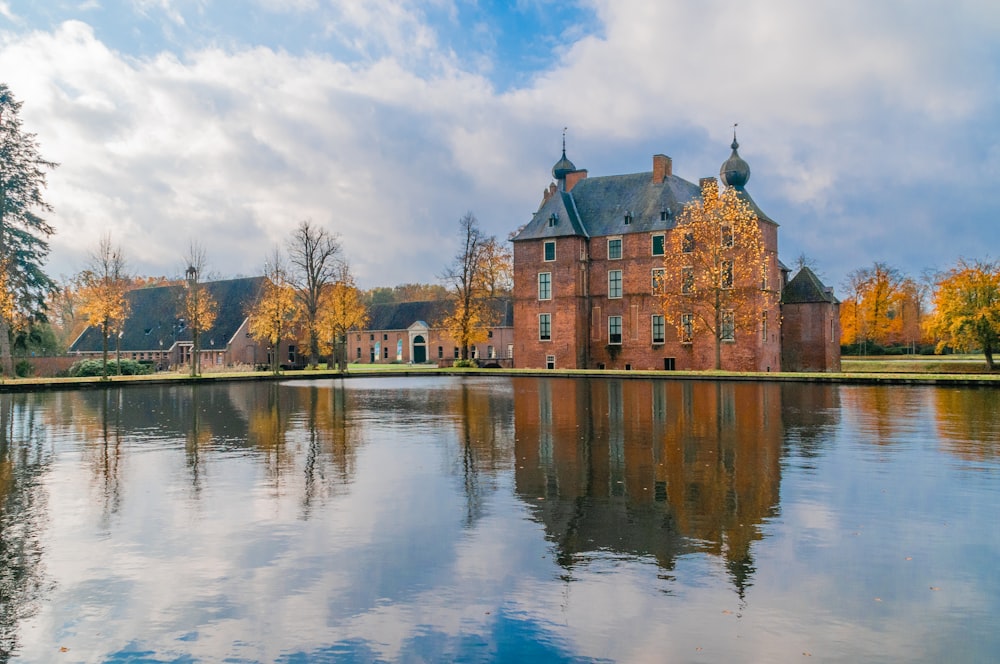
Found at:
[23, 463]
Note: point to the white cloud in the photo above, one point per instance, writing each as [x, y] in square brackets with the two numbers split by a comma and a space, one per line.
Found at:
[6, 12]
[238, 145]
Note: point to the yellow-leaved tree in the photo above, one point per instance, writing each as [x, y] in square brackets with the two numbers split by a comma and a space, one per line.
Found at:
[714, 279]
[475, 278]
[873, 312]
[273, 315]
[101, 290]
[342, 309]
[967, 308]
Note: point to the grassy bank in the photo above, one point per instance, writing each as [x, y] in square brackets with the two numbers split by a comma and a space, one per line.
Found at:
[951, 370]
[916, 364]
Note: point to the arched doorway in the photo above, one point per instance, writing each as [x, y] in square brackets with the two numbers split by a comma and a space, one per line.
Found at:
[419, 349]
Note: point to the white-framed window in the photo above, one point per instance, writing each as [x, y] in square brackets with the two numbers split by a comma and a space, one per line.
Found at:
[544, 285]
[614, 283]
[615, 330]
[728, 331]
[657, 279]
[763, 326]
[614, 248]
[544, 327]
[549, 251]
[659, 328]
[687, 280]
[550, 361]
[658, 247]
[726, 274]
[687, 242]
[726, 236]
[687, 328]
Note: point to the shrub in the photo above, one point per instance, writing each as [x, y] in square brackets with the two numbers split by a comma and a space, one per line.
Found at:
[464, 364]
[86, 368]
[23, 369]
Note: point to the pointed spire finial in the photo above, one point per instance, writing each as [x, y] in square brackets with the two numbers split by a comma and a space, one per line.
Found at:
[735, 144]
[564, 166]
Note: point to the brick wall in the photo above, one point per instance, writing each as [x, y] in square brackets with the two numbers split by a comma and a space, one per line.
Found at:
[811, 336]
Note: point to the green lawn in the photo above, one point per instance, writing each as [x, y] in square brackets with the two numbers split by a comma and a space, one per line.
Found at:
[920, 364]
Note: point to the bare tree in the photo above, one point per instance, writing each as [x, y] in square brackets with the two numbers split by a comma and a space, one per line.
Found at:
[473, 281]
[314, 255]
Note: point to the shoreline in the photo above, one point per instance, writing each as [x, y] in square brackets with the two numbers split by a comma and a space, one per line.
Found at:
[25, 385]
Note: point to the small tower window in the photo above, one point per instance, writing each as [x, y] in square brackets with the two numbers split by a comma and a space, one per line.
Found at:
[553, 219]
[628, 218]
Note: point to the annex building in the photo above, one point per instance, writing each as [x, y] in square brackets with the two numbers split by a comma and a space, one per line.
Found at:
[586, 271]
[410, 333]
[156, 332]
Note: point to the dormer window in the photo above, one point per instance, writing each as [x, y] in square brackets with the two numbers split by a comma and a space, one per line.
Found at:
[553, 220]
[664, 213]
[628, 218]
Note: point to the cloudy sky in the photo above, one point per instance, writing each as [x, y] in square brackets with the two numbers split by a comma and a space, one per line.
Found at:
[871, 128]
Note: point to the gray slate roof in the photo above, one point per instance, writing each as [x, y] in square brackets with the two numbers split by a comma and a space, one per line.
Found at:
[155, 316]
[401, 315]
[805, 287]
[597, 206]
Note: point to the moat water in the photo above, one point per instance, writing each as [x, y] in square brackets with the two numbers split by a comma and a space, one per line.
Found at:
[495, 519]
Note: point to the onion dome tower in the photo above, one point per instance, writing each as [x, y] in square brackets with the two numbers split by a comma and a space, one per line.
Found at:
[564, 166]
[734, 172]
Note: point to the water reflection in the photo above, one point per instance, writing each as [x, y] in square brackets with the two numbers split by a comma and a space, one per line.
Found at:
[646, 468]
[24, 459]
[968, 423]
[496, 519]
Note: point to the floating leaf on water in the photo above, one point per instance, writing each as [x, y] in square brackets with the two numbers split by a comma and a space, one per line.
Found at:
[935, 588]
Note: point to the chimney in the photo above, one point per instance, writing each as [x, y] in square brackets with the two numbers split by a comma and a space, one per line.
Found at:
[709, 187]
[662, 167]
[573, 177]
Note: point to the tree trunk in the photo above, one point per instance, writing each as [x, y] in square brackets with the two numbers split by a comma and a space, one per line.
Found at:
[5, 354]
[718, 331]
[313, 349]
[104, 351]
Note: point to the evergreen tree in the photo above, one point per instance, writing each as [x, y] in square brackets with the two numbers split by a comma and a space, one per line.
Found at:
[24, 234]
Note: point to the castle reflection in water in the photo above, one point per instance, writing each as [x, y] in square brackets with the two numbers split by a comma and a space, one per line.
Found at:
[656, 468]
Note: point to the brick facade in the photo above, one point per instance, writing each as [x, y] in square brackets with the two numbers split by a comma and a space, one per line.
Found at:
[400, 333]
[584, 271]
[810, 326]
